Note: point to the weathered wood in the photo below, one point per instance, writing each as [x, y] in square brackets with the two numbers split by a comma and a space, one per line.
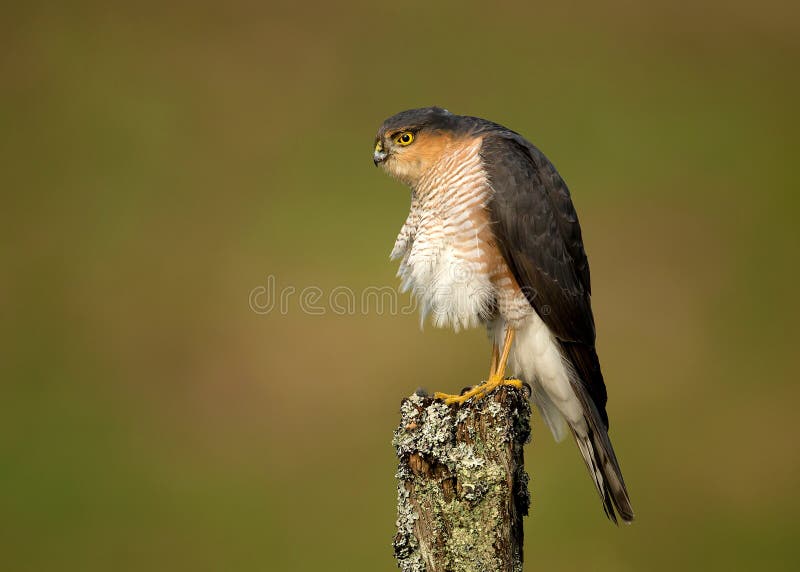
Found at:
[462, 488]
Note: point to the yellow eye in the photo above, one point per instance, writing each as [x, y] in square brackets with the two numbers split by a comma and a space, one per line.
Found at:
[404, 138]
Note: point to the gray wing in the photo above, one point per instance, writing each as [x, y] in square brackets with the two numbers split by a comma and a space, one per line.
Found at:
[537, 230]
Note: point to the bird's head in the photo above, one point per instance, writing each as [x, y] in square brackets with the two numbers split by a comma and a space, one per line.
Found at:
[410, 142]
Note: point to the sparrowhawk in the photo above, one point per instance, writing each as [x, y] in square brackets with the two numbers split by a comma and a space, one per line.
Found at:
[493, 238]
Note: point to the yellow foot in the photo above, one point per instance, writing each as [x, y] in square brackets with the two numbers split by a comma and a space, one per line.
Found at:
[479, 391]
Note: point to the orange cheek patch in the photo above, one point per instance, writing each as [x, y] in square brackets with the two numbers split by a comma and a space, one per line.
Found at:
[425, 151]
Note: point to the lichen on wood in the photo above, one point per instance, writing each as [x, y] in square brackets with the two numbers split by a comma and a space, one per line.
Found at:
[462, 489]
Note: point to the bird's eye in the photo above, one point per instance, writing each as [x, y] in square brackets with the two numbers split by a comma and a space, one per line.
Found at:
[404, 138]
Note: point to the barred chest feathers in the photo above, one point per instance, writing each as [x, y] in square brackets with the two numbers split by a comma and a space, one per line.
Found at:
[447, 258]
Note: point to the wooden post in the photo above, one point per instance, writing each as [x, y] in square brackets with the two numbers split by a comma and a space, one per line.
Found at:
[462, 488]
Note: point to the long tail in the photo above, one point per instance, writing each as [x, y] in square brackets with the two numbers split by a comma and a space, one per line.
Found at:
[591, 432]
[598, 454]
[605, 472]
[573, 395]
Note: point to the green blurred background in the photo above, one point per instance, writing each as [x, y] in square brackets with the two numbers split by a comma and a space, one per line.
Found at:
[158, 161]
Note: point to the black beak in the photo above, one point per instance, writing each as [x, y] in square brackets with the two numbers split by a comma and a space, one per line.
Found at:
[378, 157]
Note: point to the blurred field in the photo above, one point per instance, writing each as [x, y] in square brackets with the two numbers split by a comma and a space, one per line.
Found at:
[159, 161]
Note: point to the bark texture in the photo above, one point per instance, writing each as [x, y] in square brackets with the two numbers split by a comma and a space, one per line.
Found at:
[462, 489]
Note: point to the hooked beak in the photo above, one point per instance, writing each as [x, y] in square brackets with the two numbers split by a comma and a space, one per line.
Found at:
[379, 154]
[378, 157]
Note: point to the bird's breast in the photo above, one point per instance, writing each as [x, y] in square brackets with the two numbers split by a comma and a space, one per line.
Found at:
[449, 261]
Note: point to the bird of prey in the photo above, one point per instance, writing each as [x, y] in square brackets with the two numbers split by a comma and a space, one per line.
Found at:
[492, 238]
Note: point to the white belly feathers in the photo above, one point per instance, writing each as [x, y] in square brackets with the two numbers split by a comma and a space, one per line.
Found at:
[445, 261]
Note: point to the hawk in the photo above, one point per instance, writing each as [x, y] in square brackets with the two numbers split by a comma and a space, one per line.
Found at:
[492, 238]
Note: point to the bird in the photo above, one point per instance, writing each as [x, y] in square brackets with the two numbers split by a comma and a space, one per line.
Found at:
[492, 239]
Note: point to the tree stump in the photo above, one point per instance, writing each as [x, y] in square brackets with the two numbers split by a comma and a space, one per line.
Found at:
[462, 488]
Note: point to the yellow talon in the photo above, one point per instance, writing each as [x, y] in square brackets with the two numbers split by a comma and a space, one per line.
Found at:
[448, 398]
[478, 392]
[496, 376]
[513, 382]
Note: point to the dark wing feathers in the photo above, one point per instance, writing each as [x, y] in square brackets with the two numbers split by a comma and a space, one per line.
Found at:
[586, 364]
[536, 224]
[537, 231]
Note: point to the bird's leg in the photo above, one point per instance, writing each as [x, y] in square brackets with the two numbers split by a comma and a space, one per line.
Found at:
[496, 376]
[495, 359]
